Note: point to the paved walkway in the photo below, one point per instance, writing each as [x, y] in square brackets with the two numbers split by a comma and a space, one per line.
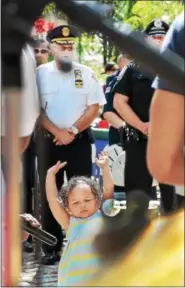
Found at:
[36, 275]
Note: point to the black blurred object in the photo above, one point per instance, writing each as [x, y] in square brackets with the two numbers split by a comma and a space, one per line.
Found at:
[122, 231]
[38, 233]
[137, 201]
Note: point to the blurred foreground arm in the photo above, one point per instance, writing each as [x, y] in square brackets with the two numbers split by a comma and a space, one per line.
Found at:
[166, 138]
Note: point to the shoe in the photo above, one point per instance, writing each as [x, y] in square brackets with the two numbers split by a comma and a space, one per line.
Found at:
[27, 247]
[50, 258]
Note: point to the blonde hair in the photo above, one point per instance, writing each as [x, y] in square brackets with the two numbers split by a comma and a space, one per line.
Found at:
[157, 259]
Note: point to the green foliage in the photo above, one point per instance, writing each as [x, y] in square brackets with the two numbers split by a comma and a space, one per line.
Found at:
[51, 8]
[144, 12]
[98, 69]
[50, 58]
[90, 43]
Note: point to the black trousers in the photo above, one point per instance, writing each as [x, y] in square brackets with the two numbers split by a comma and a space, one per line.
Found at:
[137, 175]
[78, 156]
[28, 161]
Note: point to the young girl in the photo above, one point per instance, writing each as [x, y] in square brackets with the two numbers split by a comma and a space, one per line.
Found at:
[79, 215]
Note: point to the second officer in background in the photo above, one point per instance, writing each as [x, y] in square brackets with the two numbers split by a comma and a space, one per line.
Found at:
[70, 97]
[109, 113]
[133, 95]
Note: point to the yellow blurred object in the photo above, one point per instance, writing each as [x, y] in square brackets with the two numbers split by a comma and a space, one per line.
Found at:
[156, 260]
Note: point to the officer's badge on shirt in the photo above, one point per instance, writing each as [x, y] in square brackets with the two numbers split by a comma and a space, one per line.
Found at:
[108, 89]
[78, 79]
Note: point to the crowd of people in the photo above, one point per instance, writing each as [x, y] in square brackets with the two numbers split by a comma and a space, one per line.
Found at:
[57, 137]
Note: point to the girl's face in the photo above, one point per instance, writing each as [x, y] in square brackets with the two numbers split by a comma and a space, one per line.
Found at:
[82, 202]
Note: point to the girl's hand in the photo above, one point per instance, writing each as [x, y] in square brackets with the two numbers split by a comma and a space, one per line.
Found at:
[54, 169]
[103, 160]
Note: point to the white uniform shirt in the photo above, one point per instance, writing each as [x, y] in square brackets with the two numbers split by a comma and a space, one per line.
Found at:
[29, 101]
[62, 101]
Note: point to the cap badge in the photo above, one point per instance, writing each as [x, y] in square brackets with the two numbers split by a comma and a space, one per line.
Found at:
[65, 31]
[158, 23]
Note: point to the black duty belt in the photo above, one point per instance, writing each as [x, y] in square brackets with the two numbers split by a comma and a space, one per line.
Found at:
[86, 135]
[129, 133]
[134, 134]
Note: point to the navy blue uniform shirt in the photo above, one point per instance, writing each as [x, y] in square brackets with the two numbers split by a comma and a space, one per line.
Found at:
[136, 85]
[114, 137]
[111, 77]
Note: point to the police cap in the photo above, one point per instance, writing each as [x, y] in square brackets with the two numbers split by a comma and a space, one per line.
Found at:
[157, 27]
[63, 34]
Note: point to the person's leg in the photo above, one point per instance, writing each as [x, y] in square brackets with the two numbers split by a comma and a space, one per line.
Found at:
[168, 198]
[28, 176]
[79, 159]
[137, 176]
[28, 161]
[51, 154]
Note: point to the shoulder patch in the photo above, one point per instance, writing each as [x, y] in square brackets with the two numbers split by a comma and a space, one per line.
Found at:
[123, 71]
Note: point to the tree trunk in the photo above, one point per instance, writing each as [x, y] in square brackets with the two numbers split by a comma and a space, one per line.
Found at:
[80, 49]
[104, 50]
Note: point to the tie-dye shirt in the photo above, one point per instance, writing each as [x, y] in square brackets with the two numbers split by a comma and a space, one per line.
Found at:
[80, 262]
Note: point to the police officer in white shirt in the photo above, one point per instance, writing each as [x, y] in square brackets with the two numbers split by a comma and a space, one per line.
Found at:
[29, 101]
[70, 102]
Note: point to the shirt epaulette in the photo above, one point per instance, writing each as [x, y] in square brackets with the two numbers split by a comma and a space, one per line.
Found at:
[132, 64]
[123, 71]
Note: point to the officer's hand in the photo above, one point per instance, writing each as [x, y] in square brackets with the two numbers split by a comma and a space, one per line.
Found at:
[145, 128]
[63, 137]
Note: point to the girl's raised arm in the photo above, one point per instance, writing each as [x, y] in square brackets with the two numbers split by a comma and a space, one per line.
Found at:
[58, 211]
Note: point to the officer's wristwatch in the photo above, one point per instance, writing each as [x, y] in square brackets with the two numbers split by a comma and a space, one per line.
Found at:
[74, 130]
